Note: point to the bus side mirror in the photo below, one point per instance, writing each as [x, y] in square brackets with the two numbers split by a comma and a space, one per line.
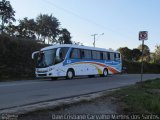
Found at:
[58, 58]
[34, 53]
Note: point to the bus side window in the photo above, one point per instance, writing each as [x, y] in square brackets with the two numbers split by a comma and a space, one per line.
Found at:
[63, 52]
[75, 53]
[112, 56]
[101, 55]
[104, 56]
[98, 55]
[88, 54]
[117, 56]
[94, 55]
[82, 54]
[108, 56]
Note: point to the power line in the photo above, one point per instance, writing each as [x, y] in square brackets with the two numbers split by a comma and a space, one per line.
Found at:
[85, 19]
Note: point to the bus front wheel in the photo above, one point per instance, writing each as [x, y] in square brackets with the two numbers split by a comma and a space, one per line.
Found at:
[70, 74]
[105, 73]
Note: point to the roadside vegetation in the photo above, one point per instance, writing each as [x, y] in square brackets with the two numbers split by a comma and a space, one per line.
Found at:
[132, 59]
[140, 98]
[135, 67]
[15, 57]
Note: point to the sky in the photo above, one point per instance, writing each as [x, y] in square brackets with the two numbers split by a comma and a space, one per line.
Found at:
[119, 20]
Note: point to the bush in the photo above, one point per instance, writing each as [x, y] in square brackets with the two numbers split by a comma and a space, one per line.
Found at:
[15, 57]
[135, 67]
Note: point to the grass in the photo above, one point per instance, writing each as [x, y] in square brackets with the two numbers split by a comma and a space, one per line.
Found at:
[141, 98]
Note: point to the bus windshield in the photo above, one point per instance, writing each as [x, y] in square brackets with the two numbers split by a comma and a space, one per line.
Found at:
[46, 58]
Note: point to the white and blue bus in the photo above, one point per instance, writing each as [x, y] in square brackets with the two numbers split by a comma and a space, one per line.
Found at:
[69, 60]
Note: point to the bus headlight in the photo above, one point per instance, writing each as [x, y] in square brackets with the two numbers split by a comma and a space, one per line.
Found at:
[50, 69]
[50, 74]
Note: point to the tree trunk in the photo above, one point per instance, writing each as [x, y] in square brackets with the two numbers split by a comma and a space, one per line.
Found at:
[44, 39]
[2, 27]
[38, 36]
[48, 41]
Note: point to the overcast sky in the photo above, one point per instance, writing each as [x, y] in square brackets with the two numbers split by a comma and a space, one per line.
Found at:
[119, 20]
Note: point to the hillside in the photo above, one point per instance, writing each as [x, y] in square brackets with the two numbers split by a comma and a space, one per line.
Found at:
[15, 57]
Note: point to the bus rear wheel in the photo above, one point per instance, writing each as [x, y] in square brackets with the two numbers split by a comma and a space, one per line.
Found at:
[70, 74]
[105, 72]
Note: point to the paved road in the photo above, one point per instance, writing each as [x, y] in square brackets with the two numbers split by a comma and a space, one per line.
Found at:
[21, 93]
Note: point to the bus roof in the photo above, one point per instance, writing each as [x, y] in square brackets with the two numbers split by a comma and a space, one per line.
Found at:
[76, 46]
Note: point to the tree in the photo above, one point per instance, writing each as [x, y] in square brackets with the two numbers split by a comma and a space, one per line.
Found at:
[11, 30]
[157, 54]
[126, 53]
[64, 37]
[157, 50]
[27, 28]
[146, 52]
[6, 13]
[136, 54]
[47, 26]
[153, 58]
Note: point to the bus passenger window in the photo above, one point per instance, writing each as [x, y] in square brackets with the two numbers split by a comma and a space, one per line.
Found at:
[82, 54]
[108, 56]
[117, 56]
[63, 52]
[104, 56]
[96, 55]
[112, 56]
[86, 54]
[75, 54]
[101, 55]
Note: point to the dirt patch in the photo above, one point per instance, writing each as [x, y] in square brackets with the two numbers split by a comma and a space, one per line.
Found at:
[102, 105]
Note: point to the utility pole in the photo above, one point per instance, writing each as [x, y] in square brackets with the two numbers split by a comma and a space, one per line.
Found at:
[94, 38]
